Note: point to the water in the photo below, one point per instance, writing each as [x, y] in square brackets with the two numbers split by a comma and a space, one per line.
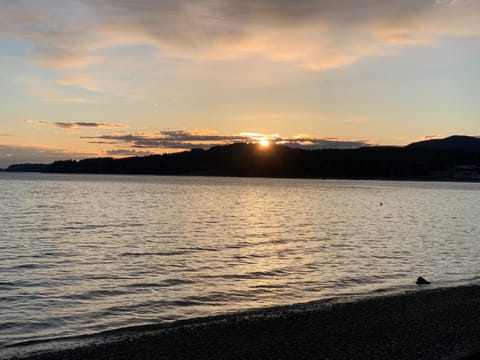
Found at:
[80, 254]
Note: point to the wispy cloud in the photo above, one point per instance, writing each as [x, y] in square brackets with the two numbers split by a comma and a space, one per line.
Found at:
[181, 139]
[80, 80]
[430, 137]
[67, 99]
[76, 125]
[49, 90]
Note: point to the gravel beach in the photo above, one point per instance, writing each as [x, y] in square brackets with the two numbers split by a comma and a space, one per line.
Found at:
[424, 324]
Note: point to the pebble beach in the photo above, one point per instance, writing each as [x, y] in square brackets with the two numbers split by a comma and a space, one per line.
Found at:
[423, 324]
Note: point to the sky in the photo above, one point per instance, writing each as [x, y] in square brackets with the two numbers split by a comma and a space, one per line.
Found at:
[88, 78]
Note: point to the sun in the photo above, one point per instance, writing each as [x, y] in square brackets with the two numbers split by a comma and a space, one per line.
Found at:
[264, 143]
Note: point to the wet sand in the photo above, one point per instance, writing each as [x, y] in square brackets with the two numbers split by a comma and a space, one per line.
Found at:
[427, 324]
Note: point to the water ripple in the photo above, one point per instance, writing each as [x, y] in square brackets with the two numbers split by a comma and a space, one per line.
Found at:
[81, 254]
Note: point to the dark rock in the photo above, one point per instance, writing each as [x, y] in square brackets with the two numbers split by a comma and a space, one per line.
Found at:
[422, 281]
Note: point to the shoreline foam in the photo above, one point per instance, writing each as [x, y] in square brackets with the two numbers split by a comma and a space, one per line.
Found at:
[426, 324]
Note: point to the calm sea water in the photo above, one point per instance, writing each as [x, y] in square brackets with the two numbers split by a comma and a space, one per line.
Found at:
[80, 254]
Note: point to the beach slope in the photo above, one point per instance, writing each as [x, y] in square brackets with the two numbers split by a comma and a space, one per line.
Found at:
[425, 324]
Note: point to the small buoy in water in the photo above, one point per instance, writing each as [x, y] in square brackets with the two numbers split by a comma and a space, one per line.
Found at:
[422, 281]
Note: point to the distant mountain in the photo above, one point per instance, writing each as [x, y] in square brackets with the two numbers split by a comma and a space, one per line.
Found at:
[456, 157]
[455, 142]
[27, 168]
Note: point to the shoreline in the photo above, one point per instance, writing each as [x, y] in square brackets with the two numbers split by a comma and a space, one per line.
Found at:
[333, 178]
[439, 323]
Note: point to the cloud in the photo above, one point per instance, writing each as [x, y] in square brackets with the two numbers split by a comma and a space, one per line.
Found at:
[76, 125]
[56, 29]
[181, 139]
[11, 154]
[100, 51]
[127, 152]
[430, 137]
[79, 80]
[311, 143]
[314, 34]
[169, 139]
[47, 89]
[66, 99]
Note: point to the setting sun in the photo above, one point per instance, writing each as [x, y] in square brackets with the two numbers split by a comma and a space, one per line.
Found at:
[264, 142]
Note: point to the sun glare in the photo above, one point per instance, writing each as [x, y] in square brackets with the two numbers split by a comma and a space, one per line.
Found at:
[264, 142]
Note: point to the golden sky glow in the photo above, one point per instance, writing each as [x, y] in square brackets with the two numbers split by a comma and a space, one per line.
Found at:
[116, 78]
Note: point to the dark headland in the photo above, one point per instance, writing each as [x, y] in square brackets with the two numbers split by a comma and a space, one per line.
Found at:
[452, 158]
[425, 324]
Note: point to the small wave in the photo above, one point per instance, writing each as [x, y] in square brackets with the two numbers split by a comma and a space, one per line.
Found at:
[56, 254]
[31, 266]
[215, 297]
[199, 248]
[385, 290]
[157, 253]
[10, 325]
[84, 227]
[249, 256]
[7, 285]
[129, 225]
[149, 306]
[250, 275]
[93, 294]
[21, 284]
[372, 279]
[271, 286]
[387, 257]
[354, 281]
[173, 282]
[154, 306]
[164, 283]
[185, 303]
[280, 241]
